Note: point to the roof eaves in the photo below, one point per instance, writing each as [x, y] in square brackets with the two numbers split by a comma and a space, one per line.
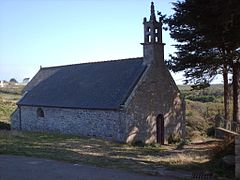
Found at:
[132, 87]
[100, 109]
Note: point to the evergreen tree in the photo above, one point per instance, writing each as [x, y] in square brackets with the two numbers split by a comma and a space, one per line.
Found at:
[13, 80]
[208, 39]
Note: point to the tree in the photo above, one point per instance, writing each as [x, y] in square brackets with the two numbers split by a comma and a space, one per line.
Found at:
[236, 89]
[25, 80]
[13, 80]
[208, 37]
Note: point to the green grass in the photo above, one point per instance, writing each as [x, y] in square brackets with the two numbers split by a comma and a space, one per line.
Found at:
[7, 105]
[9, 95]
[6, 109]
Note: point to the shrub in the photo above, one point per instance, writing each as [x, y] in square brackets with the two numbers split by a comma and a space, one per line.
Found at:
[201, 98]
[211, 131]
[138, 143]
[174, 138]
[5, 126]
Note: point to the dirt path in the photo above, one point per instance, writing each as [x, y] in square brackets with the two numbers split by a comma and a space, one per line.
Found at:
[18, 167]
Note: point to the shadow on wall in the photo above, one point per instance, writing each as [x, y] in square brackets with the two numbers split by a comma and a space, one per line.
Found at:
[132, 136]
[151, 130]
[173, 124]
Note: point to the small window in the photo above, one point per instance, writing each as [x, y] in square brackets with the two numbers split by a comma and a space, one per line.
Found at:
[156, 31]
[149, 29]
[149, 38]
[40, 112]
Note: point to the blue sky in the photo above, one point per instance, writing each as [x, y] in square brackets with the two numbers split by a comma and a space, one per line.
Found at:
[59, 32]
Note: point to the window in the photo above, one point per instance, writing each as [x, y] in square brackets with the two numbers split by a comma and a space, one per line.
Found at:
[149, 38]
[40, 112]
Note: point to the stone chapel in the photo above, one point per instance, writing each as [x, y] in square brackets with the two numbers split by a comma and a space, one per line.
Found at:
[126, 100]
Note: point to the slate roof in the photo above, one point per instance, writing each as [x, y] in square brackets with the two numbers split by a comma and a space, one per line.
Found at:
[100, 85]
[42, 74]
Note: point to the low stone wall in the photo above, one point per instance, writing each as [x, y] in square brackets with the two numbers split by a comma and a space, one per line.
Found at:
[223, 133]
[237, 157]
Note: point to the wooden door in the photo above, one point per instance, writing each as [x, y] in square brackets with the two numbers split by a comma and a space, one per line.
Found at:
[160, 129]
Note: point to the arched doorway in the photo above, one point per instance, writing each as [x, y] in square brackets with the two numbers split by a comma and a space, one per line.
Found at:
[160, 129]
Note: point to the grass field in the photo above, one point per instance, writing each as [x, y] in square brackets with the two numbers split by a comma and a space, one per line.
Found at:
[148, 159]
[8, 97]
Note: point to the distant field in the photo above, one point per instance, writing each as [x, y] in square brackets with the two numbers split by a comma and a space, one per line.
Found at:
[214, 93]
[202, 106]
[8, 97]
[12, 89]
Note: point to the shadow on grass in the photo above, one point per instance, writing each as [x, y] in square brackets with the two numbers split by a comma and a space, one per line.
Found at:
[100, 153]
[216, 149]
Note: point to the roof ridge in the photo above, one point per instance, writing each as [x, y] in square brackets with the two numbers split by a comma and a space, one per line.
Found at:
[94, 62]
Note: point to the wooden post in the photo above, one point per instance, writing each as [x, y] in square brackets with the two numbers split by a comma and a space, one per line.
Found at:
[237, 157]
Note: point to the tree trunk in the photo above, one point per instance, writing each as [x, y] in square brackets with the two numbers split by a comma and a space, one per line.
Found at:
[236, 77]
[226, 98]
